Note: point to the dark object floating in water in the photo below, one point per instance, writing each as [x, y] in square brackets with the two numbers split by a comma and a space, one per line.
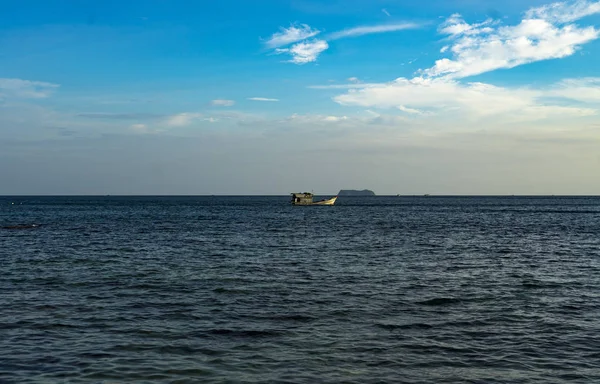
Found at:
[355, 192]
[20, 226]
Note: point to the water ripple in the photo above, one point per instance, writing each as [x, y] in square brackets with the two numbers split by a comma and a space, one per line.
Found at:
[240, 289]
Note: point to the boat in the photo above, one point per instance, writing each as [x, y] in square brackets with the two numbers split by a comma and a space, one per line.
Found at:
[306, 198]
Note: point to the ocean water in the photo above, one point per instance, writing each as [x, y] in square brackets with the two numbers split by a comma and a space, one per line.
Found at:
[253, 290]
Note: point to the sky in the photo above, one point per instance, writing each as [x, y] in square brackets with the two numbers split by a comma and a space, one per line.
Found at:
[147, 97]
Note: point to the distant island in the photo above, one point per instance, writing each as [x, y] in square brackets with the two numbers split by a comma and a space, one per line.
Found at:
[354, 192]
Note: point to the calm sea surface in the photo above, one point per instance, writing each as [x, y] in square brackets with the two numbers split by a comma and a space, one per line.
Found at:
[252, 290]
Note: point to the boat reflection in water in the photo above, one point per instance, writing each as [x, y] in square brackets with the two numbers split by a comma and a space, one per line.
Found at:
[306, 198]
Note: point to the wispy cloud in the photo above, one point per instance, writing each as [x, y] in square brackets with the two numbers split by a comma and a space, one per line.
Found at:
[411, 111]
[386, 12]
[315, 119]
[120, 116]
[456, 25]
[262, 99]
[476, 48]
[428, 96]
[290, 35]
[222, 103]
[487, 46]
[139, 128]
[585, 90]
[305, 52]
[182, 119]
[345, 86]
[370, 29]
[26, 88]
[564, 12]
[335, 119]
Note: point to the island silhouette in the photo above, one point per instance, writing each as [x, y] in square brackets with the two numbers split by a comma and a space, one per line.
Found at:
[355, 192]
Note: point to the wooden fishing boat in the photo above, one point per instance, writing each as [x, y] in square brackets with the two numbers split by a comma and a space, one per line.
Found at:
[306, 198]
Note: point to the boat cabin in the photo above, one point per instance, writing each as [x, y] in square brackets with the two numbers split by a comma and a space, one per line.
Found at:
[305, 198]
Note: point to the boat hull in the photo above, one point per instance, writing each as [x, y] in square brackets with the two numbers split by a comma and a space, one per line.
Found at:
[326, 202]
[322, 202]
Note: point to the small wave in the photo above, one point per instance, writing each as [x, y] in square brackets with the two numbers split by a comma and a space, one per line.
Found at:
[230, 290]
[569, 307]
[538, 211]
[466, 324]
[97, 355]
[45, 307]
[53, 326]
[301, 318]
[404, 326]
[286, 317]
[21, 226]
[244, 333]
[537, 284]
[439, 301]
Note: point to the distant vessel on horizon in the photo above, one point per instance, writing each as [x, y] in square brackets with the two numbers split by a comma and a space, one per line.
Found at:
[306, 198]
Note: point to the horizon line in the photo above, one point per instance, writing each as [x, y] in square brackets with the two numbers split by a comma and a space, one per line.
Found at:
[279, 195]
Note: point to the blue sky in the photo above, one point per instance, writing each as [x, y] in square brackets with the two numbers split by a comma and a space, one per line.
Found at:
[269, 97]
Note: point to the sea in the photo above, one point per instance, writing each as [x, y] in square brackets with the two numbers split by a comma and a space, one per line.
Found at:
[249, 289]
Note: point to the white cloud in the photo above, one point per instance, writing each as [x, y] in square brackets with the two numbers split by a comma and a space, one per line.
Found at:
[305, 52]
[26, 88]
[335, 118]
[182, 119]
[484, 47]
[455, 25]
[222, 103]
[236, 115]
[585, 90]
[564, 12]
[291, 35]
[314, 118]
[120, 116]
[411, 111]
[427, 97]
[386, 12]
[353, 79]
[366, 30]
[139, 128]
[262, 99]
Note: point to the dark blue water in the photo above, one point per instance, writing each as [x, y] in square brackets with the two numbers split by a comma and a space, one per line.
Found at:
[252, 290]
